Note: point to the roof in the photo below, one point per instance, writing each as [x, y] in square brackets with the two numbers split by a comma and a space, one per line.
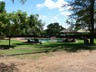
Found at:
[83, 30]
[67, 30]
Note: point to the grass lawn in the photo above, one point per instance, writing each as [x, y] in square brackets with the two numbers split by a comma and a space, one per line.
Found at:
[20, 48]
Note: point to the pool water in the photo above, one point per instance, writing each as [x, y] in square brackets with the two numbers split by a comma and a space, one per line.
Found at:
[50, 40]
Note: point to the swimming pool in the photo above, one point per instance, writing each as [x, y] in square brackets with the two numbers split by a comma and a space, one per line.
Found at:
[50, 40]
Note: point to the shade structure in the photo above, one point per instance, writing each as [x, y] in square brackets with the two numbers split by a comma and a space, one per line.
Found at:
[83, 31]
[68, 31]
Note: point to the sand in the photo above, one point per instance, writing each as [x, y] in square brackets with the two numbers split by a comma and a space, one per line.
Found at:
[83, 61]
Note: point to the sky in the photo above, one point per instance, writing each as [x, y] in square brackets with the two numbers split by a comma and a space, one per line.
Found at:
[49, 11]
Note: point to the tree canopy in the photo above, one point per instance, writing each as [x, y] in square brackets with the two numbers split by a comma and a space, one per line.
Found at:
[53, 29]
[19, 23]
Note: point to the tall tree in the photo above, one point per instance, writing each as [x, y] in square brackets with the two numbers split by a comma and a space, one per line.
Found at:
[83, 13]
[92, 20]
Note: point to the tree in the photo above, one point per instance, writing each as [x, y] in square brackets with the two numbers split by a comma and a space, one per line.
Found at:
[35, 25]
[2, 18]
[92, 20]
[18, 22]
[53, 29]
[83, 12]
[2, 7]
[5, 20]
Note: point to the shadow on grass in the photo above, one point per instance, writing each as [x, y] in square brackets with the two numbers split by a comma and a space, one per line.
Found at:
[52, 47]
[4, 47]
[69, 47]
[25, 43]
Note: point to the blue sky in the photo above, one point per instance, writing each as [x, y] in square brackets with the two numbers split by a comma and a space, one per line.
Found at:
[50, 11]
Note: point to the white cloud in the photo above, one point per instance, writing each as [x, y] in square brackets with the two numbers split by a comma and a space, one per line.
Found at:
[1, 0]
[52, 5]
[40, 5]
[61, 9]
[65, 13]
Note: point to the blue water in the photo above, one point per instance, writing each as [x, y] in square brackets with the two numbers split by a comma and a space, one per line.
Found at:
[50, 40]
[47, 40]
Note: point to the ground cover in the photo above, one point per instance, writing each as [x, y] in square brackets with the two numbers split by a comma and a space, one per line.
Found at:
[21, 47]
[54, 57]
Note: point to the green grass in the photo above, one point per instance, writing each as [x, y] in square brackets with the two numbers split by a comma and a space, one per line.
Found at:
[21, 48]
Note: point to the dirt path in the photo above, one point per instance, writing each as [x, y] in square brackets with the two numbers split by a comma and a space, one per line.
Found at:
[84, 61]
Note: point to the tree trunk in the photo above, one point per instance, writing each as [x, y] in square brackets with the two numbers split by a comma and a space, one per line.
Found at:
[9, 41]
[92, 21]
